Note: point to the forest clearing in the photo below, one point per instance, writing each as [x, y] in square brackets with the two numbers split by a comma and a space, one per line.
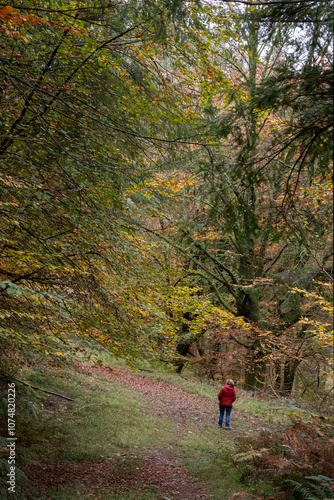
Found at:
[166, 232]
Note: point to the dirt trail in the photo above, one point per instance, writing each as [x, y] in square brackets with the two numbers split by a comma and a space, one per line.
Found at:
[164, 400]
[156, 467]
[109, 475]
[159, 467]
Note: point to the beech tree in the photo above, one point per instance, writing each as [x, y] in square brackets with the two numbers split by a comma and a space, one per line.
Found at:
[84, 107]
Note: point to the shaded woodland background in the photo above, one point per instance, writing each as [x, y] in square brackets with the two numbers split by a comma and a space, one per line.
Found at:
[166, 188]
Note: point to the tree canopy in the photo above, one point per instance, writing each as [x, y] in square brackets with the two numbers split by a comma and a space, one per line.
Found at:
[166, 183]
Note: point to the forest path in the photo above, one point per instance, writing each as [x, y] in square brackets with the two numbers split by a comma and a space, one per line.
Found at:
[168, 401]
[131, 472]
[158, 465]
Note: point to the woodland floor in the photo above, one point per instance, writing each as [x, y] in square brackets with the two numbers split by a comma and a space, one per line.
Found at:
[155, 467]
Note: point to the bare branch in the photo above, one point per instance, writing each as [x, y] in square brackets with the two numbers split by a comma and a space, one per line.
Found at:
[43, 390]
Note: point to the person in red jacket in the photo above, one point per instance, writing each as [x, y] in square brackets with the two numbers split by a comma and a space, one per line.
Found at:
[226, 397]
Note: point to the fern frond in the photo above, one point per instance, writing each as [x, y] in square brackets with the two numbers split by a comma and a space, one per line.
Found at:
[303, 492]
[249, 455]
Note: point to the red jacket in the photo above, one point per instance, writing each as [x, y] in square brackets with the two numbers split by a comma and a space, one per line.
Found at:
[227, 395]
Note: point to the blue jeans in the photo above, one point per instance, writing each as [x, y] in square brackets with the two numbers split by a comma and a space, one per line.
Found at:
[221, 416]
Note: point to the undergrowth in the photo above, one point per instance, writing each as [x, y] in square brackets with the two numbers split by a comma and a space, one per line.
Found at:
[299, 459]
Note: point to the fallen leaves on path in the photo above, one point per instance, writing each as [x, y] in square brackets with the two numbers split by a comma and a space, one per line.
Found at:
[111, 475]
[165, 400]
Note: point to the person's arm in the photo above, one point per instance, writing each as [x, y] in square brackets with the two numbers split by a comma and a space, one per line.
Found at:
[234, 396]
[220, 395]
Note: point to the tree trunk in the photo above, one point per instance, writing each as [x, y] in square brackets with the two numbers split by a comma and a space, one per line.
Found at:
[290, 367]
[248, 306]
[278, 376]
[255, 370]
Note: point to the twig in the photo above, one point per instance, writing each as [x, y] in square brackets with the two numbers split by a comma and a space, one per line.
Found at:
[324, 399]
[43, 390]
[93, 404]
[275, 393]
